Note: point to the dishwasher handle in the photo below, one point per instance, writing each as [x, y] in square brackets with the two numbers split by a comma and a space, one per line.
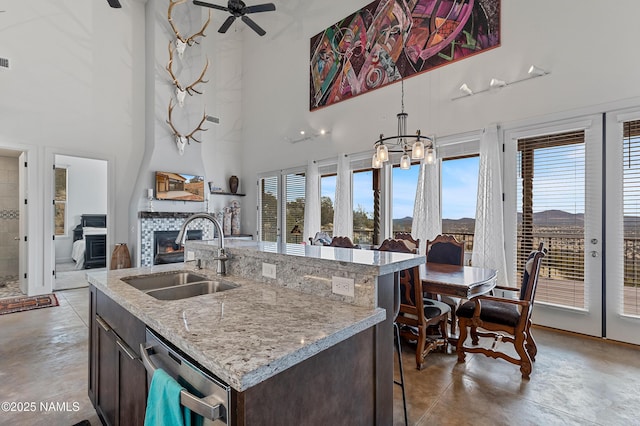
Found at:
[192, 402]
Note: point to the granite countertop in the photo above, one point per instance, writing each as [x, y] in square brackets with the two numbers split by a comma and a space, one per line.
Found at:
[244, 335]
[379, 262]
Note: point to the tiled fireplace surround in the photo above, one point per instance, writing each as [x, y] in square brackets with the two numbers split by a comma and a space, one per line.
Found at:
[151, 222]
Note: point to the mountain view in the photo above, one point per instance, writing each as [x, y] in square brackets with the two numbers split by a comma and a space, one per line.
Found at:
[548, 220]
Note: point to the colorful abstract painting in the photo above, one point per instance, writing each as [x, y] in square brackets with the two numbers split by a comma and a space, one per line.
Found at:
[392, 39]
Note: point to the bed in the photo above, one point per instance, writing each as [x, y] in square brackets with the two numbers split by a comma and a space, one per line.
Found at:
[90, 242]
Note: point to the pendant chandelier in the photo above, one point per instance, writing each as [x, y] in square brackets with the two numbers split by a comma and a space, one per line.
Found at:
[421, 148]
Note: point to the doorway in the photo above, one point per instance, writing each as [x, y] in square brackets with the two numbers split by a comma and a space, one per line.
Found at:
[553, 194]
[10, 226]
[79, 218]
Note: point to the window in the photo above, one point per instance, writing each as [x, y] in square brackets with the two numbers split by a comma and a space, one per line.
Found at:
[363, 207]
[551, 207]
[60, 201]
[459, 195]
[405, 183]
[295, 201]
[327, 200]
[631, 222]
[269, 209]
[289, 214]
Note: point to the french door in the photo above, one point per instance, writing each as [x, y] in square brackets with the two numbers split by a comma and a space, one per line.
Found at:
[622, 295]
[553, 194]
[281, 201]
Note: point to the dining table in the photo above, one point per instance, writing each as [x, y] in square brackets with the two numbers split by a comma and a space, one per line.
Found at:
[464, 282]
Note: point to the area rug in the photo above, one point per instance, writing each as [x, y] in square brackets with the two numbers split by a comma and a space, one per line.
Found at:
[26, 303]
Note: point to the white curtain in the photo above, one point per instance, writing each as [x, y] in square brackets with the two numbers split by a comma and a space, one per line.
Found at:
[488, 240]
[311, 201]
[427, 221]
[343, 209]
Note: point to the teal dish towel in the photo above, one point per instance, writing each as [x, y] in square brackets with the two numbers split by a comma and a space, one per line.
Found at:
[163, 402]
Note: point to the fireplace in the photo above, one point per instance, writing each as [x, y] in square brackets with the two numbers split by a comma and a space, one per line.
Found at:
[165, 250]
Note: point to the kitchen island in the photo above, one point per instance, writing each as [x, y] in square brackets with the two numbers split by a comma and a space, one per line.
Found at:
[288, 354]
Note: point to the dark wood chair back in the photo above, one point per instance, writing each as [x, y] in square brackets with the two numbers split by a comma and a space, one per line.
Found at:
[400, 246]
[445, 249]
[344, 242]
[412, 243]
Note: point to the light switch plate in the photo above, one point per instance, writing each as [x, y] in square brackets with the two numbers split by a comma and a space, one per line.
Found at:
[343, 286]
[269, 270]
[191, 256]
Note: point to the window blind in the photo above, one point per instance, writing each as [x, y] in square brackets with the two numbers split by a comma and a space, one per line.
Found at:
[294, 207]
[269, 209]
[631, 218]
[551, 207]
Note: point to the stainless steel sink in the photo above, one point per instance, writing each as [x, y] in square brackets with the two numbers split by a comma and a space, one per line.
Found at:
[191, 290]
[163, 280]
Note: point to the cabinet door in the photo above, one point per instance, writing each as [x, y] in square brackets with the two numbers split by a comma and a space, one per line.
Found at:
[107, 364]
[132, 386]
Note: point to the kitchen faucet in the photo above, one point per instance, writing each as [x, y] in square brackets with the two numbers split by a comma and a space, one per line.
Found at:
[222, 256]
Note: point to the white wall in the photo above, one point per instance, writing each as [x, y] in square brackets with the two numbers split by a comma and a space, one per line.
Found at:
[86, 194]
[89, 80]
[588, 68]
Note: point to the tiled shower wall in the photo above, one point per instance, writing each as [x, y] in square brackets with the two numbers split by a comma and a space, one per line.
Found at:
[9, 219]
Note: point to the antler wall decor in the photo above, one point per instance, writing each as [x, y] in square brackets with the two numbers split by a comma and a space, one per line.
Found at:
[181, 91]
[183, 140]
[181, 41]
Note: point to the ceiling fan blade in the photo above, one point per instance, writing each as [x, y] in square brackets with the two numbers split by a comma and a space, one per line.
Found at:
[114, 3]
[226, 24]
[255, 27]
[212, 6]
[267, 7]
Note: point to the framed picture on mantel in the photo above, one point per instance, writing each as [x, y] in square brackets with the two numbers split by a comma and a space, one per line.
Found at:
[179, 187]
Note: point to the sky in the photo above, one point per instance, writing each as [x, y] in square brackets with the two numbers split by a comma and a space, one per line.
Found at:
[459, 187]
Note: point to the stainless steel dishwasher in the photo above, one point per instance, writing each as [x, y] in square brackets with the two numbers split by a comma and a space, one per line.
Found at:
[203, 394]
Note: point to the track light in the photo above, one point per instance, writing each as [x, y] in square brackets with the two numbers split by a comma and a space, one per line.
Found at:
[465, 89]
[536, 72]
[497, 83]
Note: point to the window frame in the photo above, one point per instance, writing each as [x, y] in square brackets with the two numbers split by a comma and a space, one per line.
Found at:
[64, 203]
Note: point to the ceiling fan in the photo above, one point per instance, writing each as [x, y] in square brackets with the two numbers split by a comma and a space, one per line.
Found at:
[238, 9]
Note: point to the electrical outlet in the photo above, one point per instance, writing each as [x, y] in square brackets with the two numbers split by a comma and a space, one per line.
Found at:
[343, 286]
[269, 270]
[191, 256]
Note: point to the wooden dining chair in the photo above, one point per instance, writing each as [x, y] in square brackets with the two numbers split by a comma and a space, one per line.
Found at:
[408, 238]
[446, 249]
[344, 242]
[418, 316]
[504, 320]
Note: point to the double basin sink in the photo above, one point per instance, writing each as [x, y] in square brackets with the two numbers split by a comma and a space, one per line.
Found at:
[177, 285]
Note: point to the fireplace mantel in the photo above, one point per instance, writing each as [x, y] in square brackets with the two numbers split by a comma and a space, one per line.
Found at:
[165, 215]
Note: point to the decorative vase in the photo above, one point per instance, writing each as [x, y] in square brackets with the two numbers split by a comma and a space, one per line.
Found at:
[233, 184]
[120, 259]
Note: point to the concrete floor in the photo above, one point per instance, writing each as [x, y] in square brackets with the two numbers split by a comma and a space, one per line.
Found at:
[43, 359]
[576, 380]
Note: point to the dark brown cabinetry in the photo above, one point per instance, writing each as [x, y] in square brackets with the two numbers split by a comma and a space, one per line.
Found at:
[117, 378]
[336, 386]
